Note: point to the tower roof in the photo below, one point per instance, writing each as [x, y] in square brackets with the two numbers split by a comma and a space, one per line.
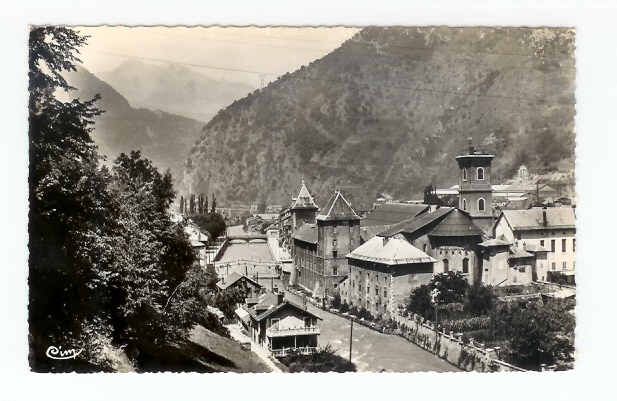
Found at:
[304, 200]
[337, 208]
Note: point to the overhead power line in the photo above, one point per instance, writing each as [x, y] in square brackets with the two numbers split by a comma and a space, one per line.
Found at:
[398, 87]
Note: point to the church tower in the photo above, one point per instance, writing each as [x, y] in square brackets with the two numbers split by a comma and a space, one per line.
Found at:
[475, 189]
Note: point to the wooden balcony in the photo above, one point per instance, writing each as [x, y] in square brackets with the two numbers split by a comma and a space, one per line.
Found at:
[299, 331]
[285, 351]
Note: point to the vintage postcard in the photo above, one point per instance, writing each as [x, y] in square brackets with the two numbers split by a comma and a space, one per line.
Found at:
[302, 199]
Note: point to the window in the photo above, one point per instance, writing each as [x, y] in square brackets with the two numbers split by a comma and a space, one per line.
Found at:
[465, 204]
[480, 173]
[334, 241]
[275, 323]
[563, 245]
[424, 248]
[334, 254]
[307, 322]
[465, 265]
[564, 265]
[481, 205]
[335, 270]
[541, 242]
[464, 174]
[573, 244]
[552, 245]
[446, 265]
[553, 265]
[385, 293]
[376, 290]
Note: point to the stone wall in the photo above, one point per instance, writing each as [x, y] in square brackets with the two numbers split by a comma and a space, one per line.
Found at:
[450, 347]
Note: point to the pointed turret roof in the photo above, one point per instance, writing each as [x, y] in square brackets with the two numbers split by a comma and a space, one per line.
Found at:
[304, 200]
[337, 208]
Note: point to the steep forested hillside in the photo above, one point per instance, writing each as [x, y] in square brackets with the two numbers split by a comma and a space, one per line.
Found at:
[390, 109]
[163, 138]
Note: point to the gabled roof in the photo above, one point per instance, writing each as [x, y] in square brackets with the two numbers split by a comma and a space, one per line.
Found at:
[390, 252]
[337, 208]
[268, 304]
[533, 219]
[456, 224]
[493, 242]
[415, 223]
[535, 248]
[233, 278]
[366, 233]
[306, 233]
[392, 213]
[304, 200]
[517, 253]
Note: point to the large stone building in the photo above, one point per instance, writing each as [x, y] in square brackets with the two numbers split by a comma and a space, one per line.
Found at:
[319, 249]
[475, 190]
[447, 234]
[382, 273]
[549, 229]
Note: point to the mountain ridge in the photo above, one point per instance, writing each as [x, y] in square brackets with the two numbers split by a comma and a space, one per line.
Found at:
[390, 109]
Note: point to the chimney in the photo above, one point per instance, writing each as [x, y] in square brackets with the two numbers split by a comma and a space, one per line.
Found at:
[222, 279]
[544, 220]
[280, 297]
[385, 240]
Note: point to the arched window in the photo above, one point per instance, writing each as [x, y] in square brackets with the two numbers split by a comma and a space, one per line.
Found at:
[481, 205]
[465, 265]
[446, 265]
[480, 173]
[465, 204]
[464, 174]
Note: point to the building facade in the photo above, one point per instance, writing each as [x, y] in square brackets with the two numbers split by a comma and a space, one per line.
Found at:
[552, 229]
[383, 272]
[319, 249]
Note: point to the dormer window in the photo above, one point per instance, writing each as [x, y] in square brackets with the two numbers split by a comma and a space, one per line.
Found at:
[480, 173]
[464, 174]
[465, 204]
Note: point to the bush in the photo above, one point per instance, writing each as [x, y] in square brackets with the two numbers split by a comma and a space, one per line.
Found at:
[363, 313]
[344, 307]
[323, 360]
[336, 301]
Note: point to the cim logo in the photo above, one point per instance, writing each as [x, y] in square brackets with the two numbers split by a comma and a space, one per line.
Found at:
[58, 353]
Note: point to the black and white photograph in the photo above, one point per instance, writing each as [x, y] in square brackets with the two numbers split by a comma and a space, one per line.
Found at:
[288, 199]
[378, 200]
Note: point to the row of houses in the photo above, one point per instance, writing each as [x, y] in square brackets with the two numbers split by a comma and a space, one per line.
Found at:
[375, 262]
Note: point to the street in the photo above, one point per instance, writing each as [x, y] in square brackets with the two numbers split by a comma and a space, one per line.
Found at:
[373, 351]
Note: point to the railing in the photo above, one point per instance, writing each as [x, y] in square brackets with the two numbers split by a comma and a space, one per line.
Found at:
[285, 351]
[274, 332]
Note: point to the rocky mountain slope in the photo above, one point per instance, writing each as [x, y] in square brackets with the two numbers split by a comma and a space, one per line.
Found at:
[162, 137]
[390, 109]
[174, 89]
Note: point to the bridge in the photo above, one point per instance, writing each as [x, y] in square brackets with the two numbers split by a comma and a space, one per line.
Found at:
[250, 268]
[247, 238]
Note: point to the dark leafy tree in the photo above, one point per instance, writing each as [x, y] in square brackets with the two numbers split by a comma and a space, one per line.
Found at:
[213, 223]
[182, 204]
[192, 204]
[420, 302]
[324, 360]
[213, 205]
[480, 300]
[452, 287]
[206, 204]
[66, 195]
[541, 334]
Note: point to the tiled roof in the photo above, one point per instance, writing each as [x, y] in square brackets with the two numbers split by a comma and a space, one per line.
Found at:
[268, 304]
[535, 248]
[392, 213]
[366, 233]
[390, 252]
[337, 208]
[304, 200]
[516, 253]
[415, 223]
[233, 278]
[493, 242]
[456, 224]
[306, 233]
[532, 219]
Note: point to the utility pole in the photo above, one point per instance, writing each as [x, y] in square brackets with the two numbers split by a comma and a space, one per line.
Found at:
[262, 77]
[350, 339]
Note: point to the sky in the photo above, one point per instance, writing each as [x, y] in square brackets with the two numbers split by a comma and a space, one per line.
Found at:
[236, 54]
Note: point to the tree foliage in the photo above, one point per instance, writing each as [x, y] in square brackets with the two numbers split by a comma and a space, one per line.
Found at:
[213, 223]
[323, 360]
[105, 259]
